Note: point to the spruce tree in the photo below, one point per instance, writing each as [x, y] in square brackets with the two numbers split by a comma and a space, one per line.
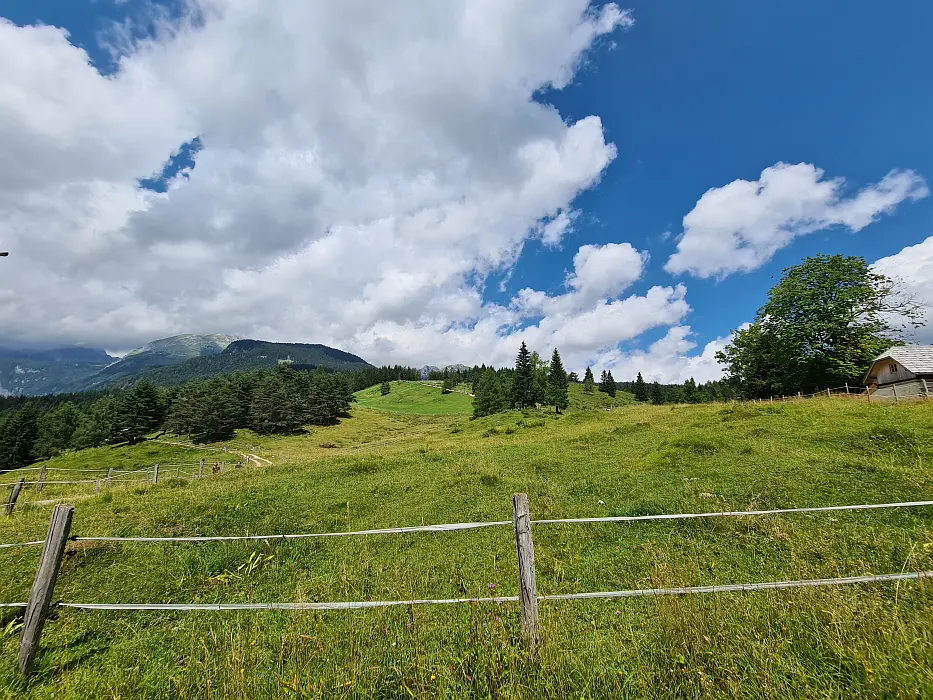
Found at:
[588, 381]
[640, 389]
[523, 381]
[657, 394]
[385, 389]
[610, 384]
[604, 383]
[18, 434]
[557, 383]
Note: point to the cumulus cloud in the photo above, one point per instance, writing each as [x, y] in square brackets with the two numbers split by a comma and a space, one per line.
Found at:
[912, 267]
[667, 360]
[739, 227]
[363, 169]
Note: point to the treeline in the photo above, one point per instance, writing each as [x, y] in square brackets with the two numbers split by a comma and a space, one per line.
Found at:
[688, 392]
[281, 400]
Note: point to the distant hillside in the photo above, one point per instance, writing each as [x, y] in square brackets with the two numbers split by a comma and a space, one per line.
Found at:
[244, 355]
[168, 362]
[34, 372]
[167, 351]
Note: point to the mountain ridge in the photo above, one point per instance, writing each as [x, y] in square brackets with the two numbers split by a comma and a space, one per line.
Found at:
[165, 361]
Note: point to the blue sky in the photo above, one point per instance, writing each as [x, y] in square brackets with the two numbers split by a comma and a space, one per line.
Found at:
[693, 96]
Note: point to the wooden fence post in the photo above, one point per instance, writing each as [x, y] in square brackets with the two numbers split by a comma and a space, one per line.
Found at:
[847, 388]
[526, 571]
[109, 477]
[40, 596]
[926, 388]
[827, 391]
[894, 389]
[14, 494]
[155, 474]
[201, 469]
[98, 487]
[41, 482]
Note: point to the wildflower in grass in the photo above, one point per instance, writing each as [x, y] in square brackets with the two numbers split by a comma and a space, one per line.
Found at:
[618, 612]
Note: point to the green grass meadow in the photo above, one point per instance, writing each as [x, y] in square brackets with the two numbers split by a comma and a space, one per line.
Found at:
[391, 465]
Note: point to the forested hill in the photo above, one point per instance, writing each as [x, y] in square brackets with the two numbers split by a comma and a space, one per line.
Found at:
[245, 355]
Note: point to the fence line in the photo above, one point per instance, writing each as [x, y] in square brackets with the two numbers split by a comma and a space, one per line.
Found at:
[60, 525]
[452, 527]
[631, 593]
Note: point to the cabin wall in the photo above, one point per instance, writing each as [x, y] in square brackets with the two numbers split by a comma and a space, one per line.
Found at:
[882, 373]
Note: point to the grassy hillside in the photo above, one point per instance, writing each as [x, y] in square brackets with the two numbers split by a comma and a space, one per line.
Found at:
[390, 469]
[417, 398]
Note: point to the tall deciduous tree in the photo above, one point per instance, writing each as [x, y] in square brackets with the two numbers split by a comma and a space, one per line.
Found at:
[557, 383]
[822, 325]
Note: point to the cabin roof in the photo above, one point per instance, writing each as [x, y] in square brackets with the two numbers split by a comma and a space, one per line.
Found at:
[914, 358]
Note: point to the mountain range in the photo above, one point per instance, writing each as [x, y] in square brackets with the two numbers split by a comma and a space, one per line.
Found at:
[167, 362]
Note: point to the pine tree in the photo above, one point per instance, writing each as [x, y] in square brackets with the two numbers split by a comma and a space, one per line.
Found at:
[56, 429]
[604, 383]
[18, 434]
[557, 383]
[640, 389]
[385, 389]
[523, 382]
[588, 382]
[657, 394]
[610, 384]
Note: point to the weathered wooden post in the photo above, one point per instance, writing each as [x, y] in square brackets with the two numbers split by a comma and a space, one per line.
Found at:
[223, 465]
[868, 393]
[109, 477]
[155, 474]
[926, 388]
[847, 388]
[41, 482]
[894, 389]
[98, 487]
[201, 469]
[827, 391]
[14, 494]
[528, 595]
[40, 596]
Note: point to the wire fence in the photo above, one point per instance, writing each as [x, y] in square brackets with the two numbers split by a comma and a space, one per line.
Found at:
[56, 541]
[910, 390]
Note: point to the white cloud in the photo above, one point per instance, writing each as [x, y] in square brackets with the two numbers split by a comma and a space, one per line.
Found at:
[913, 268]
[364, 169]
[667, 360]
[739, 227]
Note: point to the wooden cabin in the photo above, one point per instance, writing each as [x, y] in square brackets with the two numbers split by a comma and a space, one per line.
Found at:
[909, 368]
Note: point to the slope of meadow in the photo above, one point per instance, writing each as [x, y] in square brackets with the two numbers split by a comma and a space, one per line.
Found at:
[383, 469]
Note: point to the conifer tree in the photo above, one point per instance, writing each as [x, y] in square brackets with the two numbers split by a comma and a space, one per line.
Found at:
[523, 382]
[588, 381]
[604, 383]
[18, 434]
[640, 389]
[610, 384]
[385, 389]
[557, 383]
[657, 394]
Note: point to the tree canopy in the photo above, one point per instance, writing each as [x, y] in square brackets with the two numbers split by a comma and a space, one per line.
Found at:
[822, 325]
